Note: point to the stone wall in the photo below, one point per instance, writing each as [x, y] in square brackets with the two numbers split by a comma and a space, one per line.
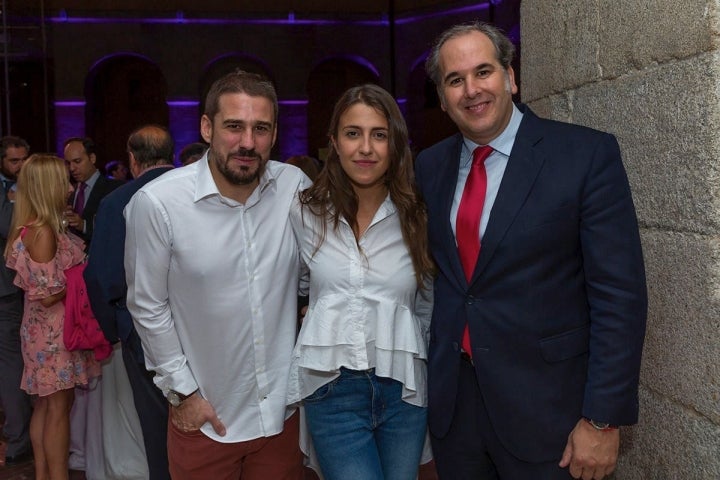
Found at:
[648, 72]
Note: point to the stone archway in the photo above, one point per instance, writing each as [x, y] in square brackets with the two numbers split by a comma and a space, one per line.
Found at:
[226, 64]
[123, 92]
[427, 123]
[326, 82]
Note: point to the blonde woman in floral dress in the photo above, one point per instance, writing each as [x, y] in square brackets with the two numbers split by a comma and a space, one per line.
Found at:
[40, 249]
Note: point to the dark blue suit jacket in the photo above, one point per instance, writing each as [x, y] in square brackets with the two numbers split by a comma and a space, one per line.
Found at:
[557, 303]
[105, 271]
[7, 275]
[103, 186]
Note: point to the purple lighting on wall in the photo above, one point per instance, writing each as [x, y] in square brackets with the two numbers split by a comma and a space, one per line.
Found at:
[183, 103]
[70, 103]
[218, 21]
[291, 18]
[293, 102]
[184, 113]
[452, 11]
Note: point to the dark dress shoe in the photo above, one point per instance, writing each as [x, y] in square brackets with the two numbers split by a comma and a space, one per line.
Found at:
[18, 459]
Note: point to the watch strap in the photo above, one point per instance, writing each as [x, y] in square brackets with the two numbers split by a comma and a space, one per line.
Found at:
[601, 426]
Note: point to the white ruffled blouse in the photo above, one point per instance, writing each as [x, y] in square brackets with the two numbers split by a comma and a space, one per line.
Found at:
[365, 309]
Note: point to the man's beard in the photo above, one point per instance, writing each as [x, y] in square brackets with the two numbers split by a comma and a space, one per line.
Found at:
[244, 175]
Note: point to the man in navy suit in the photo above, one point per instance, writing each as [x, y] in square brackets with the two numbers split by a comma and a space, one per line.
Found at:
[150, 150]
[90, 186]
[14, 401]
[554, 303]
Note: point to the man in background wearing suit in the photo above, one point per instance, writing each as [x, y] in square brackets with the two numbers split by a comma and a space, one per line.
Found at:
[540, 299]
[15, 402]
[150, 152]
[90, 186]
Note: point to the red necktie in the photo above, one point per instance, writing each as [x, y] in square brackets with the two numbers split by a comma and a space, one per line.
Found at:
[467, 225]
[80, 199]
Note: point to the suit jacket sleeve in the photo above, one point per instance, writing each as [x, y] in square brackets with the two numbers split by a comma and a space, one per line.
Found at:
[6, 211]
[616, 290]
[105, 273]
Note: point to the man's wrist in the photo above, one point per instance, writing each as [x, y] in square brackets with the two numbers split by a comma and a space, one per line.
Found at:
[176, 398]
[600, 426]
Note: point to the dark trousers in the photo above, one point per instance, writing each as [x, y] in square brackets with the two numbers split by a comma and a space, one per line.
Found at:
[472, 451]
[151, 406]
[15, 402]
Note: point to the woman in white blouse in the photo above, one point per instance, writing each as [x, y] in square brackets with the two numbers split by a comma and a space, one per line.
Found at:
[359, 363]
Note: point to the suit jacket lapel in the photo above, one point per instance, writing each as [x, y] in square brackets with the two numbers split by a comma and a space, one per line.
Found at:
[522, 169]
[448, 181]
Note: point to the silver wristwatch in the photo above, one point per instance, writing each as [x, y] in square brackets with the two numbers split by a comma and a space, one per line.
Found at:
[176, 398]
[603, 426]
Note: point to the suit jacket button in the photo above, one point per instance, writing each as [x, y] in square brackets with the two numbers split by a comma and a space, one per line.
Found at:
[456, 347]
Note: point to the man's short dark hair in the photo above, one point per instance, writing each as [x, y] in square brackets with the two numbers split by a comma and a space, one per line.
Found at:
[239, 81]
[87, 143]
[504, 48]
[110, 167]
[192, 150]
[12, 141]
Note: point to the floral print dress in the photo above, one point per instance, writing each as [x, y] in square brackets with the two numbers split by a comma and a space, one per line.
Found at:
[49, 366]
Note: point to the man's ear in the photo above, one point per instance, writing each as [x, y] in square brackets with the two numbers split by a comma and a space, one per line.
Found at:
[134, 166]
[441, 97]
[206, 128]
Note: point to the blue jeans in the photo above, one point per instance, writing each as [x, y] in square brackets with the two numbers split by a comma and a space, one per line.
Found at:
[362, 430]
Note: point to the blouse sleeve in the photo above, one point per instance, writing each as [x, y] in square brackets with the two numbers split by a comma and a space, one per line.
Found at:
[424, 308]
[38, 280]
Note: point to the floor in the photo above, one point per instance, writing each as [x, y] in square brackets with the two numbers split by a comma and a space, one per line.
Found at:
[25, 470]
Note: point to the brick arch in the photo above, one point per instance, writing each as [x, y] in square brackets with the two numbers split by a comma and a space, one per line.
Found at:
[226, 64]
[326, 82]
[123, 92]
[427, 123]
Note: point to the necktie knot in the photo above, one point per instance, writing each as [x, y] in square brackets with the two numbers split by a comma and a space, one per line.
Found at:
[480, 154]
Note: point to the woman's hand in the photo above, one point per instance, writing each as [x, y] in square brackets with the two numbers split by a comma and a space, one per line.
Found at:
[48, 302]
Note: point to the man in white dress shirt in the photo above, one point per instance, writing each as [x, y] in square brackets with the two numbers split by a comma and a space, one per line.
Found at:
[212, 272]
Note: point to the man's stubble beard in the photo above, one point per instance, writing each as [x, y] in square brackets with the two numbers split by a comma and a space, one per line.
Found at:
[242, 177]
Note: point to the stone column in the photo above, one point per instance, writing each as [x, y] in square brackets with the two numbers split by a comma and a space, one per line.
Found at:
[649, 72]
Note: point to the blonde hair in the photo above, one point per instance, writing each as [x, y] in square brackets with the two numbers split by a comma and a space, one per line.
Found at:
[42, 191]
